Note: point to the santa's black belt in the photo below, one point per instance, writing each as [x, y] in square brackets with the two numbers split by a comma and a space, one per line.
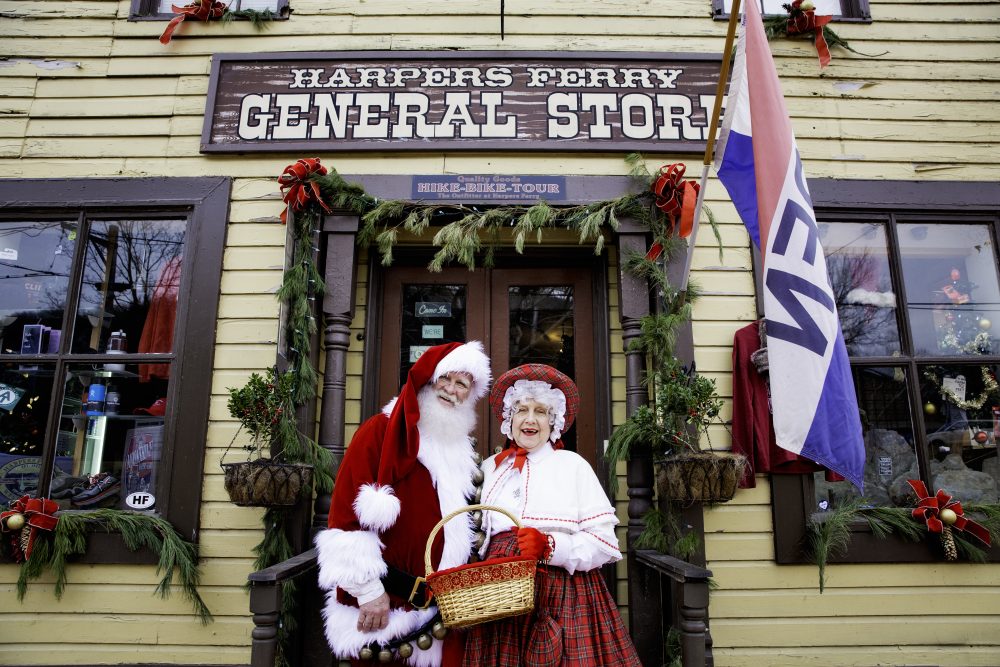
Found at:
[404, 585]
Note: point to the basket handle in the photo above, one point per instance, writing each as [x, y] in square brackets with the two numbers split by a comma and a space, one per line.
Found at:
[452, 515]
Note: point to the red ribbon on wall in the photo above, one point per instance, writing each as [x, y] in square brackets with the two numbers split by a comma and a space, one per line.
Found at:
[39, 514]
[202, 10]
[929, 508]
[677, 199]
[297, 189]
[801, 21]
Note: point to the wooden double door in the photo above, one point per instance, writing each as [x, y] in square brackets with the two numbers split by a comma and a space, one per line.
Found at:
[554, 316]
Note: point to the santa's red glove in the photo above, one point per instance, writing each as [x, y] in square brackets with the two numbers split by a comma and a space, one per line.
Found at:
[532, 542]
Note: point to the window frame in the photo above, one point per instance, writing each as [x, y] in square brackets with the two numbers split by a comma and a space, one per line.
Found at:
[855, 11]
[146, 10]
[792, 496]
[204, 203]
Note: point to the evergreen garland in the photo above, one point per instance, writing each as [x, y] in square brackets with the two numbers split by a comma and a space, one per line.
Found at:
[829, 533]
[260, 20]
[138, 530]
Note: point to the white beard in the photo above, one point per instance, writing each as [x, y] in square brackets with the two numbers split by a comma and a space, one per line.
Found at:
[442, 423]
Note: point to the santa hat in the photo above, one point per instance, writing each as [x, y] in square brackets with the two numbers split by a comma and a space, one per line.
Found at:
[402, 441]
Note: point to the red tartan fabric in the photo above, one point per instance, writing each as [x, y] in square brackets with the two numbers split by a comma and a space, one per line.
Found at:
[576, 611]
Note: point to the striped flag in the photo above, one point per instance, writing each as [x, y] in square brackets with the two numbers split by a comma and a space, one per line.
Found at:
[812, 393]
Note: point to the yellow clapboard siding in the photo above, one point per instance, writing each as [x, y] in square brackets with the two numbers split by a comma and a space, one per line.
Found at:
[63, 47]
[738, 519]
[242, 356]
[853, 631]
[13, 127]
[141, 629]
[220, 571]
[872, 601]
[246, 331]
[59, 10]
[250, 282]
[714, 333]
[147, 86]
[750, 546]
[128, 106]
[738, 574]
[121, 653]
[119, 127]
[850, 656]
[243, 257]
[58, 27]
[17, 86]
[161, 64]
[216, 543]
[104, 598]
[53, 67]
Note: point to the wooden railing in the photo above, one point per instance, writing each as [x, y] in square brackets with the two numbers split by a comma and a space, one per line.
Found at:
[678, 593]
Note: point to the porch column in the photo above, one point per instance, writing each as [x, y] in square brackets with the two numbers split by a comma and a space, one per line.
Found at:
[338, 313]
[633, 303]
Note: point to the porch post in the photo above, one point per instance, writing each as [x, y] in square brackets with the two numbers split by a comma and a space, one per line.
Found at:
[338, 312]
[633, 303]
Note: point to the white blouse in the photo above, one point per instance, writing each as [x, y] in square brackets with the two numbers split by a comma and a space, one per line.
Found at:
[558, 493]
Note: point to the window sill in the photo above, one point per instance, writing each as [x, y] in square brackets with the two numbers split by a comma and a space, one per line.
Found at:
[106, 549]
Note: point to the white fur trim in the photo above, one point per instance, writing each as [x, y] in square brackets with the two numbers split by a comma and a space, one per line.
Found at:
[451, 465]
[387, 408]
[376, 507]
[351, 557]
[468, 358]
[346, 640]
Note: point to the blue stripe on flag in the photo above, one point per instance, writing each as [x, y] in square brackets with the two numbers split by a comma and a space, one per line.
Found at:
[836, 426]
[737, 175]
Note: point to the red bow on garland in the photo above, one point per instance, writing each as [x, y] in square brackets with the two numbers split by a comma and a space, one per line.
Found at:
[929, 510]
[677, 198]
[297, 189]
[802, 21]
[38, 515]
[203, 10]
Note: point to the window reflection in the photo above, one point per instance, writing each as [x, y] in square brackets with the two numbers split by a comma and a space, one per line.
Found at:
[952, 289]
[131, 282]
[24, 411]
[35, 260]
[432, 315]
[858, 262]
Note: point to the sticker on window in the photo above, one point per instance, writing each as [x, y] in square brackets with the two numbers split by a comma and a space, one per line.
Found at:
[432, 331]
[9, 397]
[432, 309]
[416, 351]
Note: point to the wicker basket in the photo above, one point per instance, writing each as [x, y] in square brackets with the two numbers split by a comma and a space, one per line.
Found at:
[700, 477]
[266, 483]
[485, 591]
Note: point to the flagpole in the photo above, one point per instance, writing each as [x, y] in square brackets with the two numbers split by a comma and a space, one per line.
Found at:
[713, 126]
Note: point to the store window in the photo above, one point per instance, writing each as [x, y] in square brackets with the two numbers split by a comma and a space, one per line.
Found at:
[841, 10]
[161, 9]
[107, 300]
[918, 293]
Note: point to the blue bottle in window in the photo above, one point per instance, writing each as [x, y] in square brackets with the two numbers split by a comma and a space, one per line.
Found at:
[96, 395]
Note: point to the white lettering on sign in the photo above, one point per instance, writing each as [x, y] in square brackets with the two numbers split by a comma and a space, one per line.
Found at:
[433, 331]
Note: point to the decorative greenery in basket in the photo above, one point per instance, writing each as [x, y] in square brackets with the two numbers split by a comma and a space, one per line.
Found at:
[262, 405]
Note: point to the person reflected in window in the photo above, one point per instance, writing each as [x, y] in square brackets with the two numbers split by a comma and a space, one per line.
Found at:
[568, 523]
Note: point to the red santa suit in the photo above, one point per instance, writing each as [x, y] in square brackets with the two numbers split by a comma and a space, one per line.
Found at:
[400, 475]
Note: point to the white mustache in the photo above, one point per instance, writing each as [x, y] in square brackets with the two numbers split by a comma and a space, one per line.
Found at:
[448, 397]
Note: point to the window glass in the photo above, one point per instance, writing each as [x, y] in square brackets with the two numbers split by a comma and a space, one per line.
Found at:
[858, 264]
[962, 415]
[952, 290]
[432, 315]
[890, 453]
[823, 7]
[111, 436]
[35, 261]
[24, 412]
[131, 280]
[234, 5]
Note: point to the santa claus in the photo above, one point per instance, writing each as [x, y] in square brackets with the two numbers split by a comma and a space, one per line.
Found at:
[404, 469]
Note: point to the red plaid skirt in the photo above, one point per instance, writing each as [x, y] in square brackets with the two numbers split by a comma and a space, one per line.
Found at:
[575, 623]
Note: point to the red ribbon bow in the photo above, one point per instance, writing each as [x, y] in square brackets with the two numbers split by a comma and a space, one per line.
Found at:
[677, 198]
[520, 455]
[801, 21]
[297, 189]
[39, 515]
[929, 509]
[202, 10]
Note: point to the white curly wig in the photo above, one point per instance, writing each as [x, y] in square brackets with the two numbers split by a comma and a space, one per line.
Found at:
[542, 392]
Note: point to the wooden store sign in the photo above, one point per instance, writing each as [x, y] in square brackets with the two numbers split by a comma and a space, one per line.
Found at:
[424, 100]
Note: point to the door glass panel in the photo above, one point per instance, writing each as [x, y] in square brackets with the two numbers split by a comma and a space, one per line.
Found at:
[542, 332]
[432, 315]
[952, 290]
[35, 259]
[110, 436]
[131, 282]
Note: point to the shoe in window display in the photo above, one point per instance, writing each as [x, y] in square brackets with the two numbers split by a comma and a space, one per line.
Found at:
[107, 487]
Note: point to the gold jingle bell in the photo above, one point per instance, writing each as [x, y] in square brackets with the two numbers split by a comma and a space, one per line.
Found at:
[385, 656]
[477, 457]
[405, 650]
[478, 476]
[478, 496]
[15, 522]
[480, 540]
[424, 641]
[438, 630]
[344, 663]
[477, 519]
[366, 653]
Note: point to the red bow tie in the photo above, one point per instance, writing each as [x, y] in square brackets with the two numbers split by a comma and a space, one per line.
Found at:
[520, 456]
